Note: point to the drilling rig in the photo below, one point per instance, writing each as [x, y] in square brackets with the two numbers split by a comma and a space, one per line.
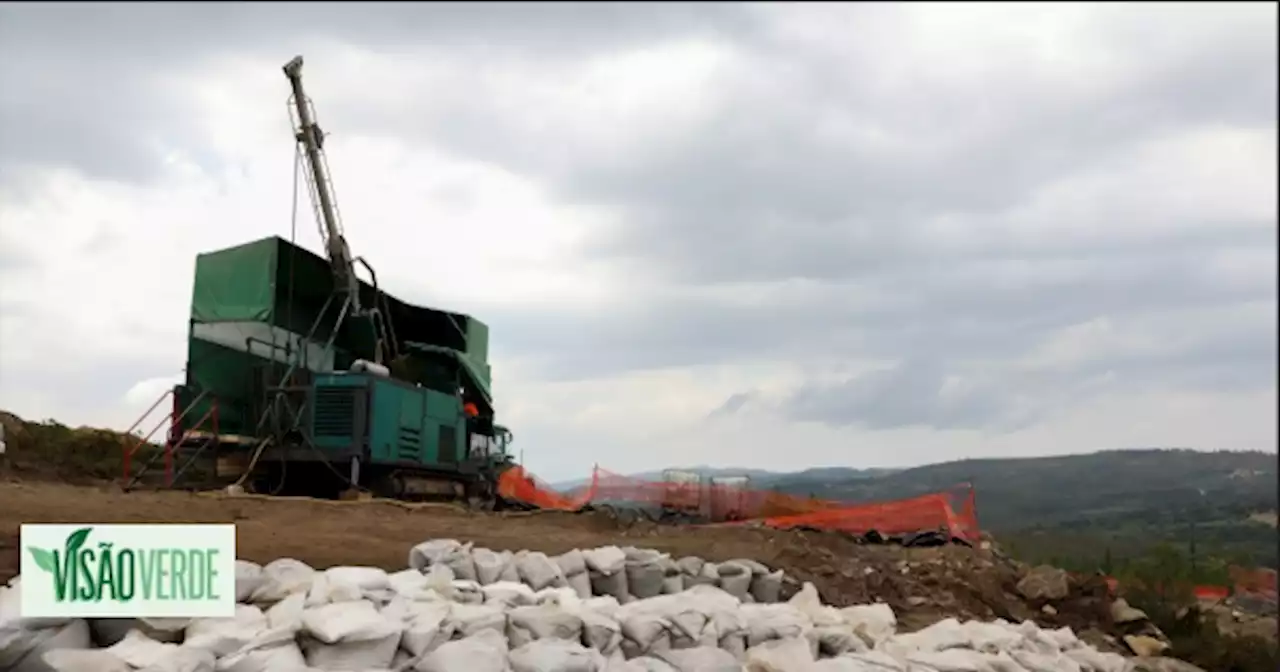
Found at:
[320, 383]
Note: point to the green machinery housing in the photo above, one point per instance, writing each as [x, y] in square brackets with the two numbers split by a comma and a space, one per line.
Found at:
[302, 403]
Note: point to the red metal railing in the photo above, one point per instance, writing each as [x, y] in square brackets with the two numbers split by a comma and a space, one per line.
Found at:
[174, 419]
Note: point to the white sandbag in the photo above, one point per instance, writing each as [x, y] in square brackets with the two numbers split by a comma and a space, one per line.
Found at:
[373, 583]
[108, 631]
[555, 655]
[581, 584]
[1093, 660]
[466, 592]
[1037, 640]
[448, 552]
[571, 563]
[468, 620]
[606, 559]
[673, 584]
[943, 635]
[643, 632]
[601, 632]
[494, 566]
[871, 661]
[248, 578]
[427, 627]
[279, 656]
[735, 579]
[326, 590]
[23, 650]
[835, 640]
[545, 621]
[11, 610]
[413, 585]
[956, 660]
[183, 659]
[766, 588]
[690, 626]
[349, 636]
[224, 636]
[603, 604]
[282, 578]
[753, 566]
[484, 652]
[699, 659]
[509, 594]
[1046, 662]
[284, 618]
[538, 570]
[690, 565]
[708, 575]
[607, 569]
[641, 664]
[874, 623]
[767, 622]
[82, 660]
[992, 637]
[138, 650]
[808, 602]
[645, 571]
[562, 596]
[782, 655]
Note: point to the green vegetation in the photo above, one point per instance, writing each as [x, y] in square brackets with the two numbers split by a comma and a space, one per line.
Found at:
[1072, 510]
[51, 449]
[1159, 583]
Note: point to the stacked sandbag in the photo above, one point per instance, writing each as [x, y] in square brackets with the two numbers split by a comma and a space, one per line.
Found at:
[463, 609]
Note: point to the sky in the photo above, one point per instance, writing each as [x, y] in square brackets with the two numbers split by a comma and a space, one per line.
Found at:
[773, 236]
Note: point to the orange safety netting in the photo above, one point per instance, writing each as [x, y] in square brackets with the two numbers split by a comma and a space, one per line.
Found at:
[927, 512]
[728, 499]
[518, 485]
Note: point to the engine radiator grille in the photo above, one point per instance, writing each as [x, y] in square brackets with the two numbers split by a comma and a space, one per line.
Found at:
[334, 412]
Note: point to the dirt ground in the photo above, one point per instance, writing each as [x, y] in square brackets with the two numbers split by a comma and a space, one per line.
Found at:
[922, 585]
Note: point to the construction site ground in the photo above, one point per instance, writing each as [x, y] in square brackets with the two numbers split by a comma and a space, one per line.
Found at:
[923, 585]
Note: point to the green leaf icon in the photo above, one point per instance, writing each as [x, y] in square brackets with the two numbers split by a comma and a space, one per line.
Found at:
[76, 539]
[42, 558]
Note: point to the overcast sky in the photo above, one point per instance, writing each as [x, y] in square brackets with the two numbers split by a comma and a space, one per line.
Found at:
[773, 236]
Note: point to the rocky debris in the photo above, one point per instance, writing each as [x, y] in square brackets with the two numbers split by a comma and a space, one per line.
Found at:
[1044, 583]
[1146, 645]
[1122, 613]
[1161, 664]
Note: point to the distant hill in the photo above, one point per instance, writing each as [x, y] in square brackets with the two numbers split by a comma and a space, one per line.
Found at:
[1077, 506]
[760, 478]
[1117, 498]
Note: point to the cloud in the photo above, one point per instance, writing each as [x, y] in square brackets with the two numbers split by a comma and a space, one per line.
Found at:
[699, 232]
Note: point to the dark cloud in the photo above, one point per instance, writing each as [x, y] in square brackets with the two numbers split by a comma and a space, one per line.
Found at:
[854, 199]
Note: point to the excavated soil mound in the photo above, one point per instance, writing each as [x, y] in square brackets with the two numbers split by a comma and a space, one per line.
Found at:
[923, 585]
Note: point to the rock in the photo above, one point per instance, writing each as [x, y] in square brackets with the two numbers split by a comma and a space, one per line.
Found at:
[1160, 664]
[1121, 612]
[916, 601]
[1144, 646]
[1049, 610]
[1044, 583]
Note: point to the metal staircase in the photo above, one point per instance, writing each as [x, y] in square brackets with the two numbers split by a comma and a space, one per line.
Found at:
[181, 448]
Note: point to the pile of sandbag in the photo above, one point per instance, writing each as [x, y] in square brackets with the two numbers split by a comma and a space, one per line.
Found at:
[626, 574]
[459, 609]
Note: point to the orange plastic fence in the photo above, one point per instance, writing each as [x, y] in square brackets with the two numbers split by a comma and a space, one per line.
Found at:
[1260, 581]
[519, 485]
[1211, 593]
[733, 501]
[1256, 582]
